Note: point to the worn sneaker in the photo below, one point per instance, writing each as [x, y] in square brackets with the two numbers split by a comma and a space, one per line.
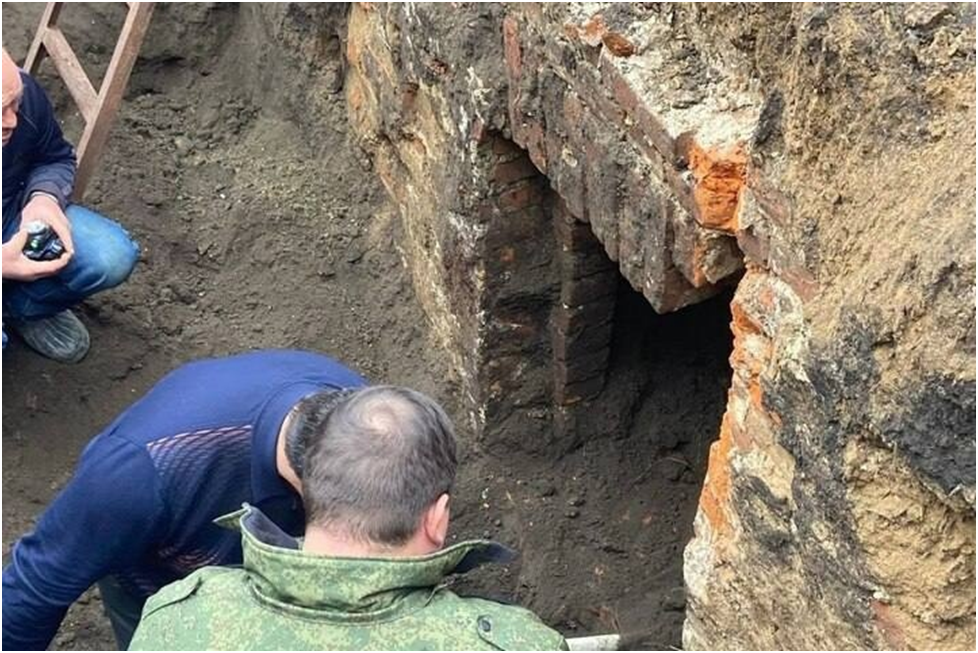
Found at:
[61, 337]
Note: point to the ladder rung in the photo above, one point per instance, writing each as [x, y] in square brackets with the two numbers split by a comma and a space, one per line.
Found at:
[71, 71]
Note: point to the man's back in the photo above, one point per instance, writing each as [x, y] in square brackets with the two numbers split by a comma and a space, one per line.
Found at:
[288, 600]
[141, 503]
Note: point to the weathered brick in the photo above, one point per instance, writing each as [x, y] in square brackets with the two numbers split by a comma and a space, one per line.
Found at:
[753, 237]
[647, 129]
[761, 213]
[573, 235]
[567, 394]
[633, 240]
[506, 149]
[587, 366]
[719, 257]
[509, 381]
[704, 256]
[577, 265]
[517, 334]
[520, 198]
[580, 240]
[602, 177]
[534, 142]
[572, 320]
[515, 170]
[575, 292]
[592, 338]
[567, 177]
[512, 48]
[719, 173]
[517, 230]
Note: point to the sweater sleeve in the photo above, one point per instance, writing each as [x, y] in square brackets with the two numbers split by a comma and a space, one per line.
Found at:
[53, 159]
[103, 521]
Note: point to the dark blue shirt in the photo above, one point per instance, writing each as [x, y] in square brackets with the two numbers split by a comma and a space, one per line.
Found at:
[37, 157]
[142, 502]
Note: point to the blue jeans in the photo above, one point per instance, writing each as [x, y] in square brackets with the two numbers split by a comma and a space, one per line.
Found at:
[122, 608]
[104, 256]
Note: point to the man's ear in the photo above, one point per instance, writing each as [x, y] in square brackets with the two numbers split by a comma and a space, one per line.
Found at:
[436, 521]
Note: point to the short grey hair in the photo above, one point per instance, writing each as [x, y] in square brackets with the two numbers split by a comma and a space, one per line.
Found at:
[382, 457]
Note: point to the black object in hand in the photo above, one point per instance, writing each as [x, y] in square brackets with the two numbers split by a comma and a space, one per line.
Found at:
[42, 243]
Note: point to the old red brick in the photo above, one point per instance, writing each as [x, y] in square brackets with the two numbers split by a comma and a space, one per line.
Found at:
[578, 349]
[511, 45]
[617, 44]
[535, 144]
[520, 197]
[505, 147]
[567, 394]
[573, 320]
[720, 173]
[512, 171]
[576, 265]
[571, 233]
[478, 133]
[575, 292]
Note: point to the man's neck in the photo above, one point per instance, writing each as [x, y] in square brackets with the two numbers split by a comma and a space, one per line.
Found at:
[320, 541]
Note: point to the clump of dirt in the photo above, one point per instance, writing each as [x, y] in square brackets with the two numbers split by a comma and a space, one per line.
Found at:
[261, 227]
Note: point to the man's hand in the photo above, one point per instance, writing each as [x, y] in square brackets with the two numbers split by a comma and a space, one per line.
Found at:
[18, 267]
[46, 209]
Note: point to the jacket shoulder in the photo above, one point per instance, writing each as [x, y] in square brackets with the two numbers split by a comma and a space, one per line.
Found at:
[506, 627]
[35, 107]
[195, 586]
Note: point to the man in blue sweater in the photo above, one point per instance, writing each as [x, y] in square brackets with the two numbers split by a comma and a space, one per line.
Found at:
[38, 177]
[138, 513]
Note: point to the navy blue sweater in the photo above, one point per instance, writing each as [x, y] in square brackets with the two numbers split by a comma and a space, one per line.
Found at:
[37, 157]
[147, 489]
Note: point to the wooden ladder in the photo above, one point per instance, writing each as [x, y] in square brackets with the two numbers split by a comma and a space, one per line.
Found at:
[98, 108]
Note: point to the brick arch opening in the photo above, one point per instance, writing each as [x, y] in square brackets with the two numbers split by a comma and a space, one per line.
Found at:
[599, 414]
[639, 397]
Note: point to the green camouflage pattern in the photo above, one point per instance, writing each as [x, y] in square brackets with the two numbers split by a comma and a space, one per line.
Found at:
[284, 599]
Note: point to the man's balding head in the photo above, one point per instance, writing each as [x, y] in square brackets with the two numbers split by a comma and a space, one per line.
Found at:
[9, 67]
[380, 459]
[13, 88]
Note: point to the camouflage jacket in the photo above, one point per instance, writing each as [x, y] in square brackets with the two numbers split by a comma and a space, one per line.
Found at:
[284, 599]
